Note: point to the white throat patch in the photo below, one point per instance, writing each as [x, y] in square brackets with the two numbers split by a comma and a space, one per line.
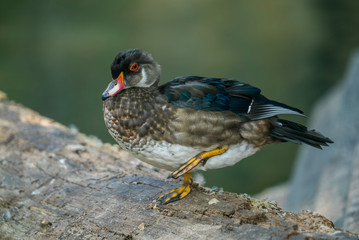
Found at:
[143, 81]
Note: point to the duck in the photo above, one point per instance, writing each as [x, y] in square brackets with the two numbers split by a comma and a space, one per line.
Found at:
[192, 123]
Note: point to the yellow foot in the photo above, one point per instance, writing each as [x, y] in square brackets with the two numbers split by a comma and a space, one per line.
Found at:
[199, 158]
[178, 193]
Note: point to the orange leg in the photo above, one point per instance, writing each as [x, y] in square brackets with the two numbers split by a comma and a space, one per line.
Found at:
[193, 162]
[186, 187]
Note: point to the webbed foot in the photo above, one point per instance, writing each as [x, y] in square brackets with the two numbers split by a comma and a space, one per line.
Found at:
[178, 193]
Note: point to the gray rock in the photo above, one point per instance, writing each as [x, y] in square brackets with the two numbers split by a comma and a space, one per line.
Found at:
[328, 181]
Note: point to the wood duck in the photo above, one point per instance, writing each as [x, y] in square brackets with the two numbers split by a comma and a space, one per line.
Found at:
[192, 123]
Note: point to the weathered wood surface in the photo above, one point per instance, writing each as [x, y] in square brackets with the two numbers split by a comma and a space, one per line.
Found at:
[56, 183]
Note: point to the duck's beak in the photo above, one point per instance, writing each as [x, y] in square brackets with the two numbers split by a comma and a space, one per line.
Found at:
[114, 87]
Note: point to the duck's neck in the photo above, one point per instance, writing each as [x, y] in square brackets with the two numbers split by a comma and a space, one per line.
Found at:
[133, 98]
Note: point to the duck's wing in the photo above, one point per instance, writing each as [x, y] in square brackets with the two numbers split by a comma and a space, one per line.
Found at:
[218, 94]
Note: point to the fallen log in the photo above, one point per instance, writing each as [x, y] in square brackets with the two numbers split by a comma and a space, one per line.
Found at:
[56, 183]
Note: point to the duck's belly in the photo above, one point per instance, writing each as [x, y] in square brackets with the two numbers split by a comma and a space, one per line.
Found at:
[172, 156]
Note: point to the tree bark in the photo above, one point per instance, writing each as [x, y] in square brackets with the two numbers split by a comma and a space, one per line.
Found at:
[56, 183]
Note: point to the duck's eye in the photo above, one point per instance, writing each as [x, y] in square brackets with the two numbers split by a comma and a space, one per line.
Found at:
[134, 67]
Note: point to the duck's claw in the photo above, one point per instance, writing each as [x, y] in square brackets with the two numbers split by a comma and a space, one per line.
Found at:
[178, 193]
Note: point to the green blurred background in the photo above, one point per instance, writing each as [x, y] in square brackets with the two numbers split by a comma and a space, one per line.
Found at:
[55, 58]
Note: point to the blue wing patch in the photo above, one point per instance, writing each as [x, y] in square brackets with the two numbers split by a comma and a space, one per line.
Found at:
[217, 94]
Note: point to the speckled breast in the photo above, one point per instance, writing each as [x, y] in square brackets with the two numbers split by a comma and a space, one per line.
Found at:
[136, 117]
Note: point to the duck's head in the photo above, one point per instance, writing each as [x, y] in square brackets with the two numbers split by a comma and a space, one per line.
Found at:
[132, 68]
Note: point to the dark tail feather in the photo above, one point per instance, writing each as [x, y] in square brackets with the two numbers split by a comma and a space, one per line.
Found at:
[296, 133]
